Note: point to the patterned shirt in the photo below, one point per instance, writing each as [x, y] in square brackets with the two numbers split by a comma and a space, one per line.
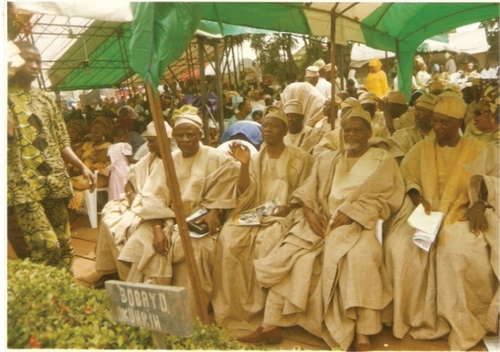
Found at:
[492, 138]
[35, 166]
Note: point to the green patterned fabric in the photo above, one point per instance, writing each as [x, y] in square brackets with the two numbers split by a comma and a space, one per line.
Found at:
[45, 228]
[35, 168]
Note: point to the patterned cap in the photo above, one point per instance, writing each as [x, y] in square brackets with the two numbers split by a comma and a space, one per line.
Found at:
[294, 106]
[450, 104]
[274, 111]
[491, 97]
[151, 130]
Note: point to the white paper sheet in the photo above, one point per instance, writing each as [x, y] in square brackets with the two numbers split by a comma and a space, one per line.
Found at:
[426, 226]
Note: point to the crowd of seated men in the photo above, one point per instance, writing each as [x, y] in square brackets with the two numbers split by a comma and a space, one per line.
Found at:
[300, 209]
[302, 216]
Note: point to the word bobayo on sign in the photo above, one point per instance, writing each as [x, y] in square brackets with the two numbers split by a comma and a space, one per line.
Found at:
[158, 308]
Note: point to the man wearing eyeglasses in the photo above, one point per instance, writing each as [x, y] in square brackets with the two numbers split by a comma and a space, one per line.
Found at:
[452, 288]
[485, 123]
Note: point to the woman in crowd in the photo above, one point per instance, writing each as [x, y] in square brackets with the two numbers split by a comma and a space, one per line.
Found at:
[94, 155]
[77, 131]
[486, 118]
[376, 80]
[423, 77]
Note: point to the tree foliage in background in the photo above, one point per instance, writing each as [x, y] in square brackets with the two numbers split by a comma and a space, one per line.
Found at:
[274, 54]
[492, 31]
[16, 22]
[316, 49]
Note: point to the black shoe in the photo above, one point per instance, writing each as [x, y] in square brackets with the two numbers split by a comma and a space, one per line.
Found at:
[100, 283]
[259, 336]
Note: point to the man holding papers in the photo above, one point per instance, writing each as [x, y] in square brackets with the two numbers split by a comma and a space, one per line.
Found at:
[453, 287]
[426, 225]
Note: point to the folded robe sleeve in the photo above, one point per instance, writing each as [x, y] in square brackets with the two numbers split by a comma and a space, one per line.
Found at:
[378, 197]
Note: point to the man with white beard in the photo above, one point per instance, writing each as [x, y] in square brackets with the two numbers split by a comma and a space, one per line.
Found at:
[327, 274]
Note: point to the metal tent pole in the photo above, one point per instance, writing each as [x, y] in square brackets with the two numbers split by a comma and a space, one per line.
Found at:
[234, 66]
[203, 88]
[218, 88]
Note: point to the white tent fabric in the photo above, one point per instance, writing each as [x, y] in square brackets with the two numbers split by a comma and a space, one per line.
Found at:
[348, 24]
[434, 45]
[248, 64]
[472, 42]
[361, 54]
[111, 11]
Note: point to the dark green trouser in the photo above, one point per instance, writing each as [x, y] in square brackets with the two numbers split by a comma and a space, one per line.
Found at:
[45, 227]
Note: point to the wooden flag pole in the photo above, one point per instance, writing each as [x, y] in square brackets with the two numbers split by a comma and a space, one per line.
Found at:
[173, 186]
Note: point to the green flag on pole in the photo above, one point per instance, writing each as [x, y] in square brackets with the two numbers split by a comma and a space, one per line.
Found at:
[162, 32]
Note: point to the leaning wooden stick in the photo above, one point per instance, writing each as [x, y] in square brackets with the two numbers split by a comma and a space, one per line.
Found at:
[173, 186]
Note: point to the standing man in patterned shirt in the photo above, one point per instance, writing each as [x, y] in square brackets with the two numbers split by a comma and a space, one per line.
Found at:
[37, 182]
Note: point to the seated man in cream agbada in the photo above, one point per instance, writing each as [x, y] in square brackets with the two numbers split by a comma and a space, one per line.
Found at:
[270, 175]
[137, 235]
[327, 273]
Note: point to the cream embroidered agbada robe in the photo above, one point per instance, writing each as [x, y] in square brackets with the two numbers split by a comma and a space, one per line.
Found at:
[238, 299]
[454, 287]
[403, 140]
[330, 287]
[333, 140]
[121, 219]
[205, 180]
[306, 139]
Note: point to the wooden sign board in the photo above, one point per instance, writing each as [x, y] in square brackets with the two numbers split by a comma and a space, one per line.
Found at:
[158, 308]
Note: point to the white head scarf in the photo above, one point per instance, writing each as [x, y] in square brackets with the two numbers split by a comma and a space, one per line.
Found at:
[151, 130]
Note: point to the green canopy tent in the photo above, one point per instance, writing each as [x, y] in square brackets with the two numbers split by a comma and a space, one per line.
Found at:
[100, 56]
[162, 30]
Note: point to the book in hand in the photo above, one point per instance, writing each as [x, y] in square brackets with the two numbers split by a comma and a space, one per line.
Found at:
[196, 230]
[252, 217]
[426, 226]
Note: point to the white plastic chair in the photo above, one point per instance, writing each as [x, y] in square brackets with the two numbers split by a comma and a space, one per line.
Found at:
[91, 204]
